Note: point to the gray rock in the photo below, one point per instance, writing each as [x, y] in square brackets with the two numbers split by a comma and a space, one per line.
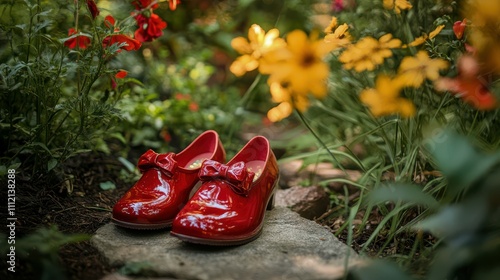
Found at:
[309, 202]
[290, 247]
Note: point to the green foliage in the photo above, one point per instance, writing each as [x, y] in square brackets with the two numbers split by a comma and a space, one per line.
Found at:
[468, 224]
[169, 114]
[40, 251]
[52, 106]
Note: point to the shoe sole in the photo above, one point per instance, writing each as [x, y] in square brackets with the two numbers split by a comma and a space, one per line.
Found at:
[142, 226]
[213, 242]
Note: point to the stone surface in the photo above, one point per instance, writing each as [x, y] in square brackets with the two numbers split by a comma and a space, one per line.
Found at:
[293, 174]
[290, 247]
[308, 202]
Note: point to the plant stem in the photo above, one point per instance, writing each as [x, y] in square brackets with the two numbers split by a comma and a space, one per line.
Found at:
[306, 124]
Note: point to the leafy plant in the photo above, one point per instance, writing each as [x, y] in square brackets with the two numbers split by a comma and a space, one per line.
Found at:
[40, 251]
[62, 91]
[465, 218]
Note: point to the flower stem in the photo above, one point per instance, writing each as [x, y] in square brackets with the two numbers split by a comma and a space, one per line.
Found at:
[306, 124]
[248, 94]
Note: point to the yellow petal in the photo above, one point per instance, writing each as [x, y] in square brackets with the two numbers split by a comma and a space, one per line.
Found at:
[278, 93]
[389, 4]
[297, 41]
[436, 31]
[243, 64]
[418, 41]
[406, 108]
[255, 34]
[331, 26]
[411, 78]
[279, 112]
[241, 45]
[387, 41]
[300, 102]
[387, 87]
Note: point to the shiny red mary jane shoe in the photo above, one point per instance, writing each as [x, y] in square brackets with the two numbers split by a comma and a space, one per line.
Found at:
[166, 183]
[229, 207]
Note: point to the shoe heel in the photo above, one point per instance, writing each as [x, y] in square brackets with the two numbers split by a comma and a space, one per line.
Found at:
[270, 203]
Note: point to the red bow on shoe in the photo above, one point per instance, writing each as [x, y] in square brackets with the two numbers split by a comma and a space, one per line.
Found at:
[164, 162]
[237, 175]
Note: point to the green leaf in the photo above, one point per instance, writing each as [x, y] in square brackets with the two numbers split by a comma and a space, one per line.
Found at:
[108, 185]
[119, 136]
[459, 161]
[130, 166]
[379, 270]
[404, 193]
[51, 164]
[457, 222]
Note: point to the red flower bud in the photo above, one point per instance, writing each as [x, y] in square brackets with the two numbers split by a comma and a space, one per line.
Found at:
[94, 11]
[459, 28]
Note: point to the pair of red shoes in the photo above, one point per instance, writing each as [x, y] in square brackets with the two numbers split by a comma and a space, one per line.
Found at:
[227, 209]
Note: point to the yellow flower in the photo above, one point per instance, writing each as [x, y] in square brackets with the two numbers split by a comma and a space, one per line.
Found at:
[397, 5]
[300, 65]
[295, 72]
[420, 40]
[368, 53]
[414, 70]
[339, 38]
[333, 23]
[258, 44]
[385, 100]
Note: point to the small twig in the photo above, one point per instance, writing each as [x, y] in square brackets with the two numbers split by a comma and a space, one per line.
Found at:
[97, 208]
[64, 210]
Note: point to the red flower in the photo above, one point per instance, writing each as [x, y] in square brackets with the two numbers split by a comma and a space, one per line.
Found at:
[180, 96]
[340, 5]
[165, 135]
[459, 28]
[127, 43]
[150, 28]
[172, 4]
[94, 11]
[78, 41]
[109, 21]
[142, 4]
[193, 107]
[120, 75]
[469, 85]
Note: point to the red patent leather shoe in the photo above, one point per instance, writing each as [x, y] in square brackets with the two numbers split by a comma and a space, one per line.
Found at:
[166, 183]
[229, 207]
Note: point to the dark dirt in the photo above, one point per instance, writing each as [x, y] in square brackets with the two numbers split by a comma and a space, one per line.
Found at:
[41, 204]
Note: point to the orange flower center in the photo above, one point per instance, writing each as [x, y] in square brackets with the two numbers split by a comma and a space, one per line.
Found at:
[308, 59]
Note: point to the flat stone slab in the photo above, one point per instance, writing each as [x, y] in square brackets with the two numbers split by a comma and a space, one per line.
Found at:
[290, 247]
